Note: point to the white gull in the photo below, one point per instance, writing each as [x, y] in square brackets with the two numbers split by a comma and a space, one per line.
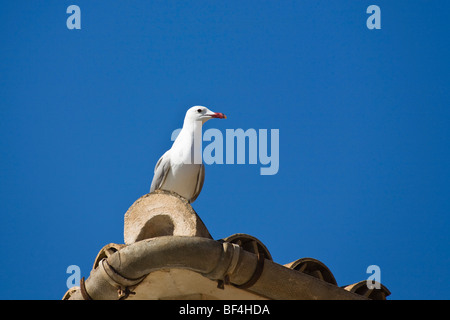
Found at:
[181, 169]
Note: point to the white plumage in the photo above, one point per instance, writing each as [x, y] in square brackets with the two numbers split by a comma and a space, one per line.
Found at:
[180, 169]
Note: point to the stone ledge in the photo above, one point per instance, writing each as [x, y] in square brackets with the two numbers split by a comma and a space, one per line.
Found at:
[162, 213]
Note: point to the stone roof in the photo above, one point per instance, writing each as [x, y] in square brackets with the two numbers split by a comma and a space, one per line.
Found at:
[170, 254]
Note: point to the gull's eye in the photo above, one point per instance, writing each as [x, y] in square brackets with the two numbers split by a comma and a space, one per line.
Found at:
[199, 110]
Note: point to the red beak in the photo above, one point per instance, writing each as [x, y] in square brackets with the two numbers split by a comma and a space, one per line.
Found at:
[218, 115]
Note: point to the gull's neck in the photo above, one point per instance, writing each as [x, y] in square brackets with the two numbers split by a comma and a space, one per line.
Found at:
[188, 145]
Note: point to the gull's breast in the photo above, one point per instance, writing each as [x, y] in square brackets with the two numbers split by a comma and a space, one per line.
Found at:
[182, 179]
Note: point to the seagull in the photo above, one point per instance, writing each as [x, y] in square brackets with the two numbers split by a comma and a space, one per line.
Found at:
[180, 169]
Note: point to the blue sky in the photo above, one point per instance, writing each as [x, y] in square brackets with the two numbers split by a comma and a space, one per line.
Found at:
[363, 117]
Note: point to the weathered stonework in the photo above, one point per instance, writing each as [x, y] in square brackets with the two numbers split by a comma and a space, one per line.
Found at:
[162, 213]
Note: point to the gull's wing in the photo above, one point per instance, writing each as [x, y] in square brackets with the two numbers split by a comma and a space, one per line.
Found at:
[200, 180]
[161, 170]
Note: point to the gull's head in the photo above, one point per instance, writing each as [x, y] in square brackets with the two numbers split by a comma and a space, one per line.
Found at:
[203, 114]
